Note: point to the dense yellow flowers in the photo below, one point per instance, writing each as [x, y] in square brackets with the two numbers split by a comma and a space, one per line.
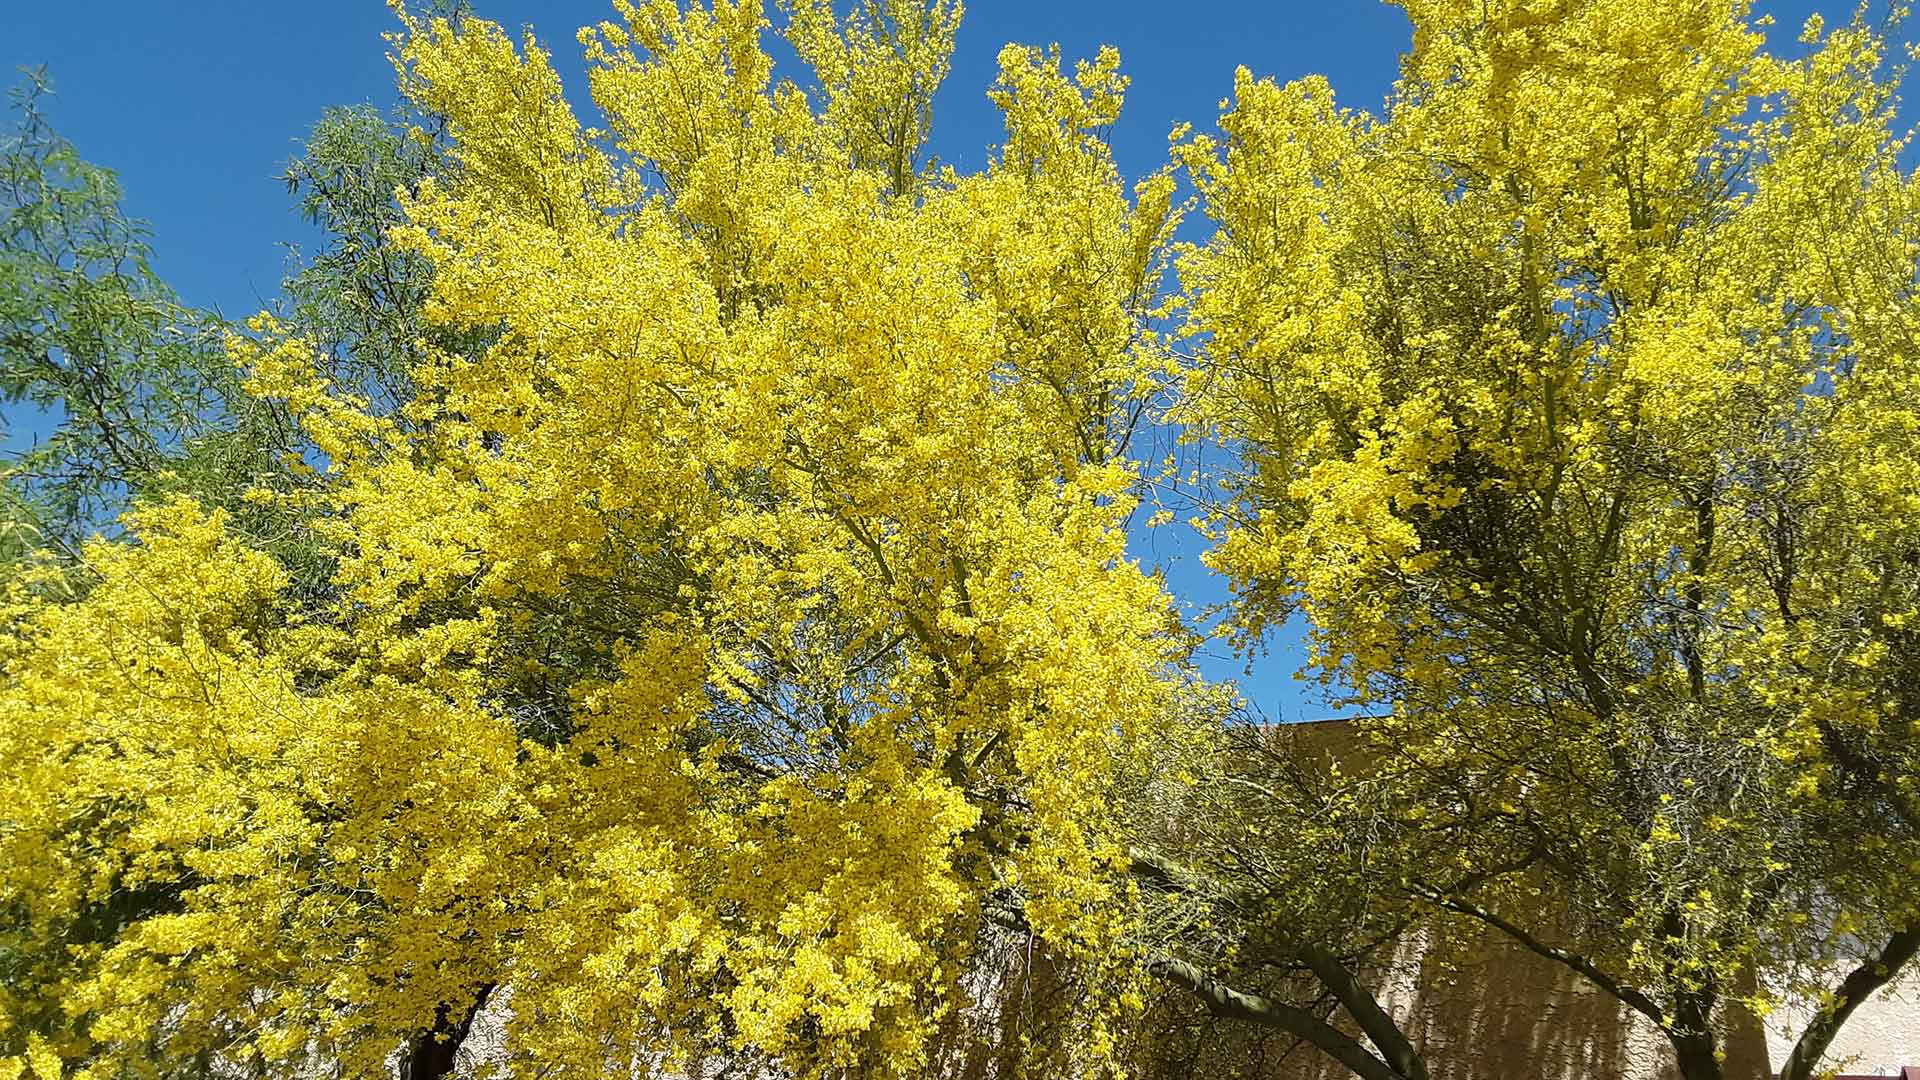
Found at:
[1573, 401]
[197, 846]
[709, 663]
[699, 658]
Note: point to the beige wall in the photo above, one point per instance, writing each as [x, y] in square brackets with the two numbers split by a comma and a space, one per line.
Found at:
[1497, 1012]
[1489, 1009]
[1880, 1037]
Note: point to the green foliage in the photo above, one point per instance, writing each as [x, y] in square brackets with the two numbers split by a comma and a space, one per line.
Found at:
[91, 340]
[356, 297]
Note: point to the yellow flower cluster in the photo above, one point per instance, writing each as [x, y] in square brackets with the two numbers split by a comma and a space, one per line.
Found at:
[1573, 401]
[697, 659]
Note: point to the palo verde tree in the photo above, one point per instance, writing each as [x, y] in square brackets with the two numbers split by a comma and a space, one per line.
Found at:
[705, 662]
[724, 625]
[1573, 401]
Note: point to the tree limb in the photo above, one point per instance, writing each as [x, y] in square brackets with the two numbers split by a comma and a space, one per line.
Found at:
[1359, 1002]
[1859, 985]
[1222, 1000]
[1365, 1009]
[1631, 996]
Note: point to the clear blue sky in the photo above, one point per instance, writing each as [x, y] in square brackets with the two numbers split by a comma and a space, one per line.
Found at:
[198, 106]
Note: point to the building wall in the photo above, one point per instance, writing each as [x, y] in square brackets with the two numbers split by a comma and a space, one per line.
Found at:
[1882, 1035]
[1486, 1008]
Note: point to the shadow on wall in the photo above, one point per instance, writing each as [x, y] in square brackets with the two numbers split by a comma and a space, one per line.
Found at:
[1481, 1006]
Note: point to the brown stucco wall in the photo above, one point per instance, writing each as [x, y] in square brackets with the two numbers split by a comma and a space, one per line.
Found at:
[1483, 1008]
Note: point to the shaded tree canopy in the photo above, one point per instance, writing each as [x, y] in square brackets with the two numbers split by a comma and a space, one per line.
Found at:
[1573, 405]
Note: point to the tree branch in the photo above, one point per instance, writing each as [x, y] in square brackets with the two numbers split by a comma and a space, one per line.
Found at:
[1365, 1009]
[1631, 996]
[1359, 1002]
[1877, 971]
[1222, 1000]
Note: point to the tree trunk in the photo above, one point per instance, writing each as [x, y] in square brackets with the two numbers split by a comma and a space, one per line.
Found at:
[1862, 983]
[1697, 1059]
[432, 1055]
[1694, 1044]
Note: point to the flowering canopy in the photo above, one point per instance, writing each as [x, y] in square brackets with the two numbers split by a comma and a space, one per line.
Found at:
[699, 658]
[1575, 404]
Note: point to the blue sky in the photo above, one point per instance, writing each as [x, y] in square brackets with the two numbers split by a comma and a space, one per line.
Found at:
[198, 106]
